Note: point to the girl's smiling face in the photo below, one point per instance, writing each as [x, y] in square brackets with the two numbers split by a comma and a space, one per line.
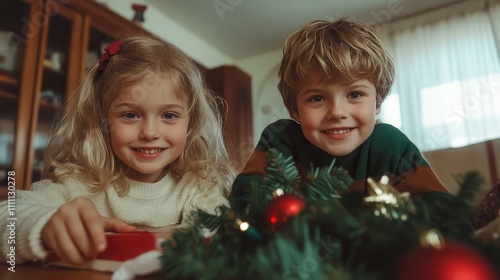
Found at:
[336, 116]
[148, 126]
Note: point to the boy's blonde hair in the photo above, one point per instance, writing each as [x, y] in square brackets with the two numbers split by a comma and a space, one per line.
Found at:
[344, 50]
[80, 145]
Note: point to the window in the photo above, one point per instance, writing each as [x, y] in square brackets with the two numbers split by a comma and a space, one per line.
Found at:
[447, 88]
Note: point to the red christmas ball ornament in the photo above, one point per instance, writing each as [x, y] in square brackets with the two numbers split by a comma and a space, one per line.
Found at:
[284, 207]
[449, 261]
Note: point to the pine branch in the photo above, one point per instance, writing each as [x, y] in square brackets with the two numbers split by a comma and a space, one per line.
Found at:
[281, 171]
[293, 254]
[469, 183]
[208, 220]
[326, 183]
[281, 174]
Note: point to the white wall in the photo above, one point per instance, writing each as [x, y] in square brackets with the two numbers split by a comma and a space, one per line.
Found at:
[266, 99]
[159, 24]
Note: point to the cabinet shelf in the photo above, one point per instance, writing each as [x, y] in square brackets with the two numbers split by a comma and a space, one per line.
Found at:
[47, 65]
[8, 107]
[49, 106]
[8, 85]
[48, 111]
[4, 79]
[8, 95]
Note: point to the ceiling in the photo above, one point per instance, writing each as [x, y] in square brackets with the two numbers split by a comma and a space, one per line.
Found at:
[243, 28]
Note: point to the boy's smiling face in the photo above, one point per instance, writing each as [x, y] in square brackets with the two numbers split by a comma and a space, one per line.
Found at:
[336, 116]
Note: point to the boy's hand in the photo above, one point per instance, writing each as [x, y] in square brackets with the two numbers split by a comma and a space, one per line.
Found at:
[76, 232]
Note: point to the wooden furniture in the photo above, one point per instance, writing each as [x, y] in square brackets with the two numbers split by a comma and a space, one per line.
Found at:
[39, 272]
[233, 85]
[52, 43]
[492, 164]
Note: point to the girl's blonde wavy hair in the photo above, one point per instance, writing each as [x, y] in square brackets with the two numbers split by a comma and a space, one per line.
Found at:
[80, 143]
[343, 49]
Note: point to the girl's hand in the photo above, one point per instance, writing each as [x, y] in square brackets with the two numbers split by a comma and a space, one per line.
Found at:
[76, 232]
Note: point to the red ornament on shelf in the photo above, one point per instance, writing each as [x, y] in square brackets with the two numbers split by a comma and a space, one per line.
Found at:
[284, 207]
[451, 261]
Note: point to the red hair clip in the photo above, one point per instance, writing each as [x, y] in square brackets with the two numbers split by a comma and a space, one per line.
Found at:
[109, 51]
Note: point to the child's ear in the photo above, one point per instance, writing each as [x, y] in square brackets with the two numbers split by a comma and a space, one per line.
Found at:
[377, 110]
[296, 117]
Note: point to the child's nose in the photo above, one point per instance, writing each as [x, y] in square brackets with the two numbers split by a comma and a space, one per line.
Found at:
[337, 111]
[149, 130]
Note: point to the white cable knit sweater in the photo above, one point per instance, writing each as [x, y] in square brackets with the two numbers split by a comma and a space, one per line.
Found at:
[155, 207]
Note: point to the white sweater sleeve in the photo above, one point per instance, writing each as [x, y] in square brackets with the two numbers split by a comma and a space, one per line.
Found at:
[26, 215]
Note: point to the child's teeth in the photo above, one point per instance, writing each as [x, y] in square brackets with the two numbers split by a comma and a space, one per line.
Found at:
[341, 131]
[153, 151]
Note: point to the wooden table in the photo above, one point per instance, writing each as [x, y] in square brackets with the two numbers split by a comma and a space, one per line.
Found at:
[35, 271]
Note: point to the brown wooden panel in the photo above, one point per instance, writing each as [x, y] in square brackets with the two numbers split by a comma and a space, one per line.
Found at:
[234, 86]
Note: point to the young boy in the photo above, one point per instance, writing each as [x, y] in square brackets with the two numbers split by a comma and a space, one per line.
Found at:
[334, 76]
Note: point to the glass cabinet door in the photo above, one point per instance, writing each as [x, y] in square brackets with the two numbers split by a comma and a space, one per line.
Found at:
[12, 50]
[60, 74]
[52, 93]
[97, 42]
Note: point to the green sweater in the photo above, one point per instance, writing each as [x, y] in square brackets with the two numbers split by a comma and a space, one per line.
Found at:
[386, 152]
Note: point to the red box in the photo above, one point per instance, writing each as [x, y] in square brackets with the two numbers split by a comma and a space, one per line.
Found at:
[121, 247]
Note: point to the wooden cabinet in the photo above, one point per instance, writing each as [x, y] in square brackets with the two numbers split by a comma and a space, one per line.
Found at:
[46, 47]
[234, 86]
[17, 83]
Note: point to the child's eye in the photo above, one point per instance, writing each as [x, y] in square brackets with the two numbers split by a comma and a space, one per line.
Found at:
[130, 115]
[169, 116]
[354, 95]
[316, 98]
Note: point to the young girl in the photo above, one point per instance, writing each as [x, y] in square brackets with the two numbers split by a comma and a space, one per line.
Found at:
[138, 148]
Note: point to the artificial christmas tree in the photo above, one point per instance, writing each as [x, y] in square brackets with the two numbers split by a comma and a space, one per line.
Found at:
[317, 229]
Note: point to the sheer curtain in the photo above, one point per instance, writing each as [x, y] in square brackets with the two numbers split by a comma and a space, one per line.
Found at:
[447, 88]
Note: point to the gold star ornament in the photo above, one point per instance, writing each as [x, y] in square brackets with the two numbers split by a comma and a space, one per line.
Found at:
[386, 200]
